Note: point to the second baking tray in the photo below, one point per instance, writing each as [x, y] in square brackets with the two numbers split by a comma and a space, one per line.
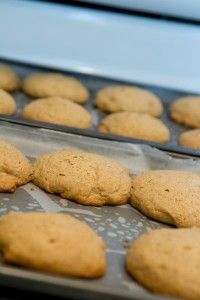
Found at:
[94, 83]
[117, 225]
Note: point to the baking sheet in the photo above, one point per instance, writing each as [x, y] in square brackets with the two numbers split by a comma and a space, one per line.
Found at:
[117, 225]
[94, 83]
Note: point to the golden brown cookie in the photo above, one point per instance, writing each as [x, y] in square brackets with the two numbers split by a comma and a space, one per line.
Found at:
[166, 261]
[190, 138]
[186, 111]
[7, 103]
[15, 168]
[58, 111]
[169, 196]
[83, 177]
[52, 242]
[8, 79]
[55, 85]
[127, 98]
[135, 125]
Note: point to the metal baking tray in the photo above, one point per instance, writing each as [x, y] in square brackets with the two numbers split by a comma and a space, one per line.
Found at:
[117, 225]
[94, 83]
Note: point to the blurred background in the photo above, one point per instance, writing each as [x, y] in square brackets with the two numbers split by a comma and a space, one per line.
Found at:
[148, 41]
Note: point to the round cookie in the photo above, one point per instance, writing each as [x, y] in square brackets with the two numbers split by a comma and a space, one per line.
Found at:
[135, 125]
[83, 177]
[166, 261]
[8, 79]
[169, 196]
[186, 111]
[55, 85]
[126, 98]
[15, 168]
[52, 242]
[7, 103]
[190, 138]
[57, 111]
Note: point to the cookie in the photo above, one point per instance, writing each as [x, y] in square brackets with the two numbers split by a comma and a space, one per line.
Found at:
[126, 98]
[135, 125]
[57, 111]
[190, 138]
[55, 85]
[8, 79]
[15, 168]
[83, 177]
[52, 242]
[7, 103]
[186, 111]
[166, 261]
[169, 196]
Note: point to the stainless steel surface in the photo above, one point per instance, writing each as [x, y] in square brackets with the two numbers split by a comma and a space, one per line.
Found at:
[117, 225]
[94, 83]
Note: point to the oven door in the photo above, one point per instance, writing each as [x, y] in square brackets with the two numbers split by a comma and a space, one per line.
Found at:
[189, 9]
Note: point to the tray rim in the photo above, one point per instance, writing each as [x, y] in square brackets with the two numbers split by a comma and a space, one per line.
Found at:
[47, 283]
[45, 67]
[170, 149]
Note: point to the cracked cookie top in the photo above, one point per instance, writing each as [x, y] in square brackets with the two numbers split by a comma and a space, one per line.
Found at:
[83, 177]
[166, 261]
[135, 125]
[15, 168]
[57, 110]
[52, 242]
[169, 196]
[128, 98]
[7, 103]
[55, 85]
[8, 79]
